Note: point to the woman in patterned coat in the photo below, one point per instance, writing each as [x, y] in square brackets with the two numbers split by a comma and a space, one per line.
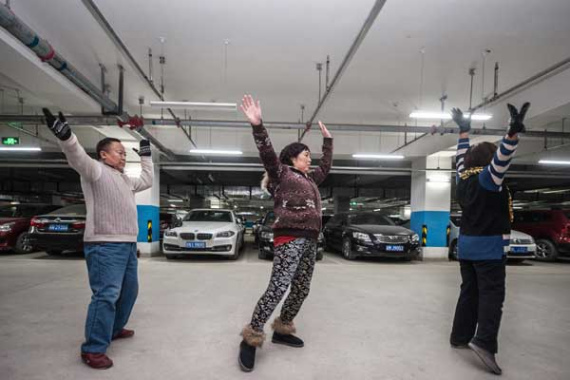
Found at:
[296, 230]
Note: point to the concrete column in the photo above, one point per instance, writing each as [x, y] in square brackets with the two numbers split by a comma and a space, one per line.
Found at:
[341, 203]
[148, 210]
[431, 203]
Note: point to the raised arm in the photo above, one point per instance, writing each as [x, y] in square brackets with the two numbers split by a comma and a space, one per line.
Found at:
[492, 177]
[147, 175]
[320, 174]
[76, 156]
[464, 125]
[252, 111]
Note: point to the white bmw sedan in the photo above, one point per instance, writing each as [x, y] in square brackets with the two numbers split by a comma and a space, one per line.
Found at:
[205, 232]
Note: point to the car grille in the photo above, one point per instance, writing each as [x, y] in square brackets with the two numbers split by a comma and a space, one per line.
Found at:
[392, 239]
[187, 236]
[521, 241]
[204, 236]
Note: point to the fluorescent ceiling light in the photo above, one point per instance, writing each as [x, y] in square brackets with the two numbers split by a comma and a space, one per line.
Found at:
[217, 152]
[176, 200]
[378, 209]
[196, 105]
[439, 178]
[557, 191]
[378, 156]
[553, 162]
[20, 149]
[447, 116]
[173, 205]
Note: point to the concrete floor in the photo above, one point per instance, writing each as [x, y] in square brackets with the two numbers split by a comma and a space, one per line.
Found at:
[363, 320]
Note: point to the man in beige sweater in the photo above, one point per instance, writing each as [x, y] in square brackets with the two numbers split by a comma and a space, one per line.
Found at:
[110, 235]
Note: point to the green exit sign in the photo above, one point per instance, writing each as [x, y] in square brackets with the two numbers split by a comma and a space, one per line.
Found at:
[10, 141]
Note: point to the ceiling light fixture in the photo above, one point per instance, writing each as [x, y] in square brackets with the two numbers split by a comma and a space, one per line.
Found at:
[199, 106]
[438, 178]
[556, 191]
[214, 152]
[553, 162]
[378, 156]
[20, 149]
[447, 116]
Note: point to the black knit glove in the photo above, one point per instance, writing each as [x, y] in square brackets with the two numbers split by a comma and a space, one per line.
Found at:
[144, 150]
[516, 122]
[58, 126]
[463, 123]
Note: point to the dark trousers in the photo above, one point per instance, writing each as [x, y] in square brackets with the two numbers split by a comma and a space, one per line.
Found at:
[480, 305]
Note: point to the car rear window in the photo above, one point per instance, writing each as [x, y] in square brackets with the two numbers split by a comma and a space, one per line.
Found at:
[375, 219]
[74, 210]
[209, 216]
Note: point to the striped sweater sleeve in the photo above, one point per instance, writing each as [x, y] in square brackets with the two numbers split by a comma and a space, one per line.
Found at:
[462, 147]
[491, 178]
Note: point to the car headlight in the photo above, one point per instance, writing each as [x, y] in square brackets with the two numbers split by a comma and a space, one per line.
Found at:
[171, 233]
[267, 235]
[362, 237]
[6, 227]
[225, 234]
[415, 238]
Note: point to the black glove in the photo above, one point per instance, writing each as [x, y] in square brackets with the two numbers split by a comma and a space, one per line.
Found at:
[516, 122]
[463, 123]
[58, 126]
[144, 150]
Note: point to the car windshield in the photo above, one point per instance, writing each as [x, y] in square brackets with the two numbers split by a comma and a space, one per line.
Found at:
[74, 210]
[208, 216]
[269, 219]
[18, 211]
[375, 219]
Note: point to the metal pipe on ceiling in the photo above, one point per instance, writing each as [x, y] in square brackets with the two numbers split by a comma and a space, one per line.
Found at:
[347, 59]
[42, 48]
[100, 18]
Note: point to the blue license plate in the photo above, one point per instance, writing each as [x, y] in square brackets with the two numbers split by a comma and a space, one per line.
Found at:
[519, 249]
[395, 248]
[58, 227]
[196, 244]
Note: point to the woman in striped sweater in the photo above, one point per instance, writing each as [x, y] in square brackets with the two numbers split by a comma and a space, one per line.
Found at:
[484, 238]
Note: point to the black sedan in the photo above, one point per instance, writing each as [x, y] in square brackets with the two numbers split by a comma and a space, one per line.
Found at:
[265, 234]
[370, 234]
[60, 230]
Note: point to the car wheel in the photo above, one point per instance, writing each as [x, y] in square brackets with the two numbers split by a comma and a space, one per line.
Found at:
[546, 250]
[235, 255]
[320, 255]
[54, 252]
[262, 255]
[347, 252]
[23, 244]
[452, 255]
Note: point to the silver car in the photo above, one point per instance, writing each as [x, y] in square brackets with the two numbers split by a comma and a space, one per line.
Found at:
[521, 247]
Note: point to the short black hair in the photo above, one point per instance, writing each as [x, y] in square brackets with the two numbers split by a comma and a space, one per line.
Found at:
[104, 144]
[480, 155]
[291, 151]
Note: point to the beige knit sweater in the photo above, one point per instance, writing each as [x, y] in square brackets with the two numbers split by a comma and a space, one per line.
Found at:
[109, 195]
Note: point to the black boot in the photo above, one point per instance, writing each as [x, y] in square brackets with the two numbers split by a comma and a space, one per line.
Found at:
[246, 356]
[288, 340]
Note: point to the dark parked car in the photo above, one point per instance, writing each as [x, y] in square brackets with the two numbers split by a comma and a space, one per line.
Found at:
[370, 234]
[265, 234]
[15, 223]
[550, 229]
[60, 230]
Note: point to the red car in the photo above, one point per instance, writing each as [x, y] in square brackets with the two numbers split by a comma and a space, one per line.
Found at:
[550, 229]
[14, 225]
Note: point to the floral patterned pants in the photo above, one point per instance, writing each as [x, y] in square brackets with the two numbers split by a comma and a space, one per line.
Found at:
[293, 265]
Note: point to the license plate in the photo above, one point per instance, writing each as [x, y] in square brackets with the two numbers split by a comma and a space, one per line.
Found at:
[519, 249]
[195, 244]
[395, 248]
[58, 227]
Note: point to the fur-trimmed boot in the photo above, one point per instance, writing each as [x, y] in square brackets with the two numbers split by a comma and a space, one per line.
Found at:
[283, 334]
[251, 340]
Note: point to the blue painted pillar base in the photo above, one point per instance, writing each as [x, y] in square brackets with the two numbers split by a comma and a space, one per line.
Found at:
[436, 223]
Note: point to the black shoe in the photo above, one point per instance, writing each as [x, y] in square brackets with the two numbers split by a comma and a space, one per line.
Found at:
[487, 358]
[287, 340]
[246, 357]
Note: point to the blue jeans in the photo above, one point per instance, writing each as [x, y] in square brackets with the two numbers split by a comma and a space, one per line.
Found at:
[113, 278]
